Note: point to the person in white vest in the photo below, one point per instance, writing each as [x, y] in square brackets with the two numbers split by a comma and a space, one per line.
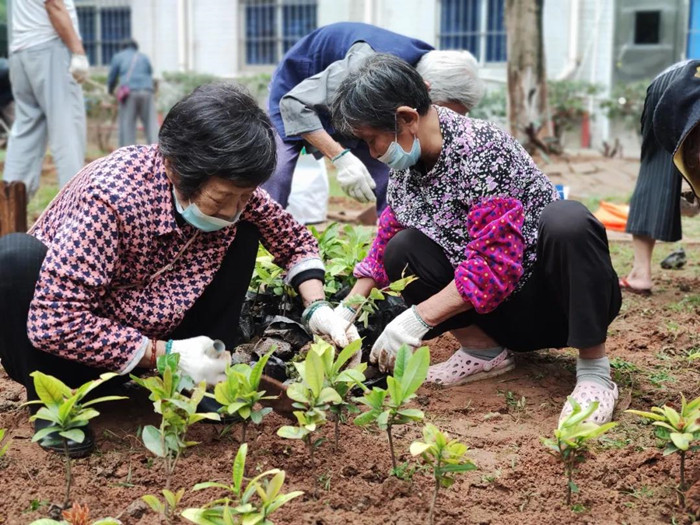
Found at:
[47, 65]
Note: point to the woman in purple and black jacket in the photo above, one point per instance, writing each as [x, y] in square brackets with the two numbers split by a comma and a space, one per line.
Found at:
[501, 263]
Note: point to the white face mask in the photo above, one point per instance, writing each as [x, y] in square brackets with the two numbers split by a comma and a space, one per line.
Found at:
[200, 220]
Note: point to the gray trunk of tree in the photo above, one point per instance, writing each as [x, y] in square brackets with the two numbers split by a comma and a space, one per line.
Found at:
[528, 114]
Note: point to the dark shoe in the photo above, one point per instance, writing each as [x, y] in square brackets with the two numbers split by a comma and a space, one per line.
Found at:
[54, 442]
[209, 404]
[675, 260]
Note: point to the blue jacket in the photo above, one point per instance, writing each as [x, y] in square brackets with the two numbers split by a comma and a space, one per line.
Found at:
[320, 48]
[141, 76]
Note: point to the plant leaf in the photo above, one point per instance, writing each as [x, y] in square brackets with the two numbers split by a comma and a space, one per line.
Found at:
[152, 440]
[416, 371]
[50, 390]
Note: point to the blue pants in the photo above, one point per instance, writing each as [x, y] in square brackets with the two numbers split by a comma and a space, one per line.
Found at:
[280, 184]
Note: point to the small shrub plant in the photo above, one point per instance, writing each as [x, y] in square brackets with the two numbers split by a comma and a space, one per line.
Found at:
[64, 408]
[178, 411]
[572, 439]
[313, 398]
[366, 306]
[444, 456]
[679, 432]
[340, 378]
[387, 408]
[250, 503]
[239, 394]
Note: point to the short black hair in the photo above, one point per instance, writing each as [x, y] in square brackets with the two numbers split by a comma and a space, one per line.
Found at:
[371, 94]
[218, 130]
[130, 43]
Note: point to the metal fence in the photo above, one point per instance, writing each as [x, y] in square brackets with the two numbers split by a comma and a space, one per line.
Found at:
[271, 27]
[104, 26]
[475, 25]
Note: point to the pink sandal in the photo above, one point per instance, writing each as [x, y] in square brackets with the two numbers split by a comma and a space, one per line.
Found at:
[463, 368]
[585, 393]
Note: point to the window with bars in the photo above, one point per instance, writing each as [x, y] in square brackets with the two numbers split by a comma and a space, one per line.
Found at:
[104, 26]
[273, 26]
[475, 25]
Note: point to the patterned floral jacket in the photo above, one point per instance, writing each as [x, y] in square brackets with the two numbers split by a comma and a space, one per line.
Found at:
[481, 203]
[114, 227]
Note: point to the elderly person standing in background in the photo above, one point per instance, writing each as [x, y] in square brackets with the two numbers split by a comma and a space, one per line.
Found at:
[150, 250]
[132, 72]
[501, 263]
[304, 84]
[47, 62]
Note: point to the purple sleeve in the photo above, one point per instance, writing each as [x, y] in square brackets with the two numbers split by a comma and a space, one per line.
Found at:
[494, 256]
[373, 265]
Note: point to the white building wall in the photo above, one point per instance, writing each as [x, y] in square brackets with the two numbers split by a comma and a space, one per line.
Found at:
[154, 27]
[217, 33]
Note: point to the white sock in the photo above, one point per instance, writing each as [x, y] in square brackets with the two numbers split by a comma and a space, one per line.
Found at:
[483, 353]
[596, 370]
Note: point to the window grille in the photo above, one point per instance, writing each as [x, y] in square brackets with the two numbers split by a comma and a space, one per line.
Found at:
[273, 26]
[104, 26]
[475, 25]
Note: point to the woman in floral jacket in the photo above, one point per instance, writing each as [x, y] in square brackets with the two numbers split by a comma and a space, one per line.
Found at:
[501, 263]
[150, 250]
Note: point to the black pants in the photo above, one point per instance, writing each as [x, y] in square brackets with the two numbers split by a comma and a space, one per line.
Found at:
[214, 314]
[569, 300]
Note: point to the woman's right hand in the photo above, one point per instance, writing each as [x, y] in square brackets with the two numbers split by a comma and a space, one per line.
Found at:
[200, 360]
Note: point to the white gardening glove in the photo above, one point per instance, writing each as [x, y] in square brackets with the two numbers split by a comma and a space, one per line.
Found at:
[79, 66]
[354, 179]
[322, 320]
[200, 360]
[407, 328]
[348, 314]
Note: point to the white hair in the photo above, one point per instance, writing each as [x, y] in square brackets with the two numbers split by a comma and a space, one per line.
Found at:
[453, 77]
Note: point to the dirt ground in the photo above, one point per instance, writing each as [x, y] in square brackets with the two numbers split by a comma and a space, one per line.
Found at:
[628, 480]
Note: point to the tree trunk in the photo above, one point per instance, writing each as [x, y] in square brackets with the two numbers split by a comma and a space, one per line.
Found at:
[13, 207]
[528, 114]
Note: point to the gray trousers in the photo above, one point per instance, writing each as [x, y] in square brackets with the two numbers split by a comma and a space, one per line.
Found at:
[138, 105]
[49, 108]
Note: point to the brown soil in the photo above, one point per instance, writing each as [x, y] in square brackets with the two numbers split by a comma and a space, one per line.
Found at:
[628, 480]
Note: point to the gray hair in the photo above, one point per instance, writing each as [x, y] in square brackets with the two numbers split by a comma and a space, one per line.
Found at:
[453, 77]
[371, 94]
[218, 130]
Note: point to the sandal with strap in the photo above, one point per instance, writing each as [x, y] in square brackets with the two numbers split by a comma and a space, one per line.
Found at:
[585, 393]
[463, 368]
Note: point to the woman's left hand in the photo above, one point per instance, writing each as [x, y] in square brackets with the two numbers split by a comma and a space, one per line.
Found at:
[407, 328]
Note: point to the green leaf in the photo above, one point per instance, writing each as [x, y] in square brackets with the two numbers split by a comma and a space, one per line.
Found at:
[298, 392]
[682, 441]
[346, 354]
[74, 434]
[290, 432]
[239, 468]
[281, 500]
[154, 503]
[412, 413]
[50, 390]
[103, 399]
[257, 370]
[314, 373]
[366, 418]
[394, 389]
[458, 467]
[416, 371]
[40, 434]
[418, 447]
[401, 362]
[152, 440]
[329, 395]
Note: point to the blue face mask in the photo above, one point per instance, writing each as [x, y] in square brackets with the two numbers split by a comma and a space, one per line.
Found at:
[194, 216]
[399, 159]
[396, 157]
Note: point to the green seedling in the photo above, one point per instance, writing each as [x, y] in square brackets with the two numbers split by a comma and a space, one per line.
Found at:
[572, 439]
[366, 306]
[677, 431]
[63, 407]
[178, 412]
[267, 276]
[446, 457]
[241, 505]
[387, 408]
[312, 398]
[239, 393]
[77, 515]
[340, 379]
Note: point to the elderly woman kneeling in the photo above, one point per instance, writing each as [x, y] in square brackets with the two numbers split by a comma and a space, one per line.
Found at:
[501, 263]
[150, 250]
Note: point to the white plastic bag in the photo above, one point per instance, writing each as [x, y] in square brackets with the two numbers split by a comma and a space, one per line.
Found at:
[308, 200]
